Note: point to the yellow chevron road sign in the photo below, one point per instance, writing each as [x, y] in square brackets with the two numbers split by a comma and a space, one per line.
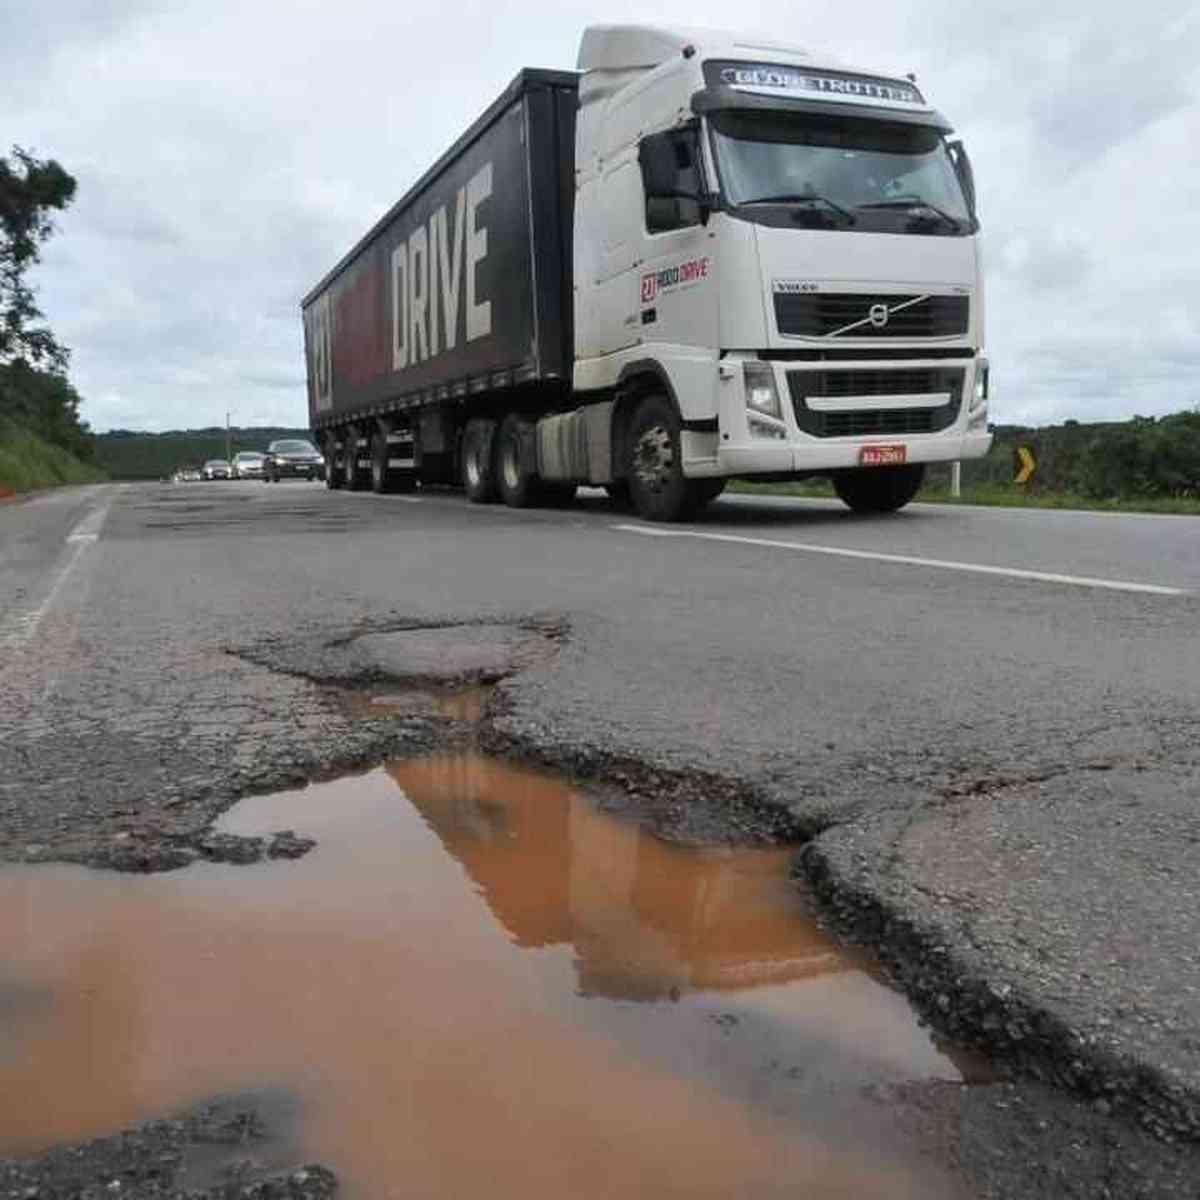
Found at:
[1028, 464]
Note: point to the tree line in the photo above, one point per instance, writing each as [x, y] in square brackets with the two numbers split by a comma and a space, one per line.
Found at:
[35, 391]
[129, 454]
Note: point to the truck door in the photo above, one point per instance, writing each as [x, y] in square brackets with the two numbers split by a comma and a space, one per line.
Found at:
[677, 292]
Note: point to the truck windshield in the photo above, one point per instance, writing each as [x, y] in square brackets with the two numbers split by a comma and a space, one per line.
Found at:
[837, 172]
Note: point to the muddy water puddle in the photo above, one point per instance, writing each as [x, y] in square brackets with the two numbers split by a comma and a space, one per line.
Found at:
[476, 983]
[467, 704]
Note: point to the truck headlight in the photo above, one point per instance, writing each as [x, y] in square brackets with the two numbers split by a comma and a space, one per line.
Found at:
[761, 394]
[982, 370]
[978, 412]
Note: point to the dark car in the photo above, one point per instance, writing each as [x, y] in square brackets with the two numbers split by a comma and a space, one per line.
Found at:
[292, 457]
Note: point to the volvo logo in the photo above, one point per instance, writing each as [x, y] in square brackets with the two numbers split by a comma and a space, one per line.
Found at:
[879, 316]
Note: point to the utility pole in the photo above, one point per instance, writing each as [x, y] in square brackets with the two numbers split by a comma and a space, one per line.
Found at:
[228, 442]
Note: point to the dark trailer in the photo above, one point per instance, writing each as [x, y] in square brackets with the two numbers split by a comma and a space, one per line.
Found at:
[457, 303]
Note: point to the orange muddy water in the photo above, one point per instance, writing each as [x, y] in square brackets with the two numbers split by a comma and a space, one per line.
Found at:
[476, 984]
[458, 703]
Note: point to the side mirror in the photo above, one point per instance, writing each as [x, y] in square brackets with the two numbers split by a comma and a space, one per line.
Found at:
[965, 173]
[671, 168]
[658, 157]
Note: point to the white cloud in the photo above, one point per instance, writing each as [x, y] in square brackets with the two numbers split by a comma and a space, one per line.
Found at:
[227, 154]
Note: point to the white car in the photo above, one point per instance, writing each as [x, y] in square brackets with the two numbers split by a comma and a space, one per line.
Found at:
[248, 464]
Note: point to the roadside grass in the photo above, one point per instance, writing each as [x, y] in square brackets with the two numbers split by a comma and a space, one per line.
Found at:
[992, 495]
[27, 463]
[996, 495]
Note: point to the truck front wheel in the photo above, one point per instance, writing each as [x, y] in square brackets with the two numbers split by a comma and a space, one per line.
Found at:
[654, 468]
[478, 461]
[878, 489]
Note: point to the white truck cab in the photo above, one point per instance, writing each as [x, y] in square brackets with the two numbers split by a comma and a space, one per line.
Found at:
[786, 248]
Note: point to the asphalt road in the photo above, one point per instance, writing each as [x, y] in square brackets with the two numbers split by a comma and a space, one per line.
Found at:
[989, 716]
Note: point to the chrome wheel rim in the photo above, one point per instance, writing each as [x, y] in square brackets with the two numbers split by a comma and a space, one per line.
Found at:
[654, 458]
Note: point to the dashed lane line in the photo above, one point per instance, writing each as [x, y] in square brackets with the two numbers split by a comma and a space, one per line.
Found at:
[1112, 585]
[18, 627]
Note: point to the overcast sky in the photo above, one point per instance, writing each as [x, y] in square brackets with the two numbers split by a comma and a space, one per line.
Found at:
[229, 151]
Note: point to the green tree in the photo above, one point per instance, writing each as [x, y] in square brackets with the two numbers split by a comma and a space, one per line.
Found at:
[34, 389]
[45, 403]
[32, 190]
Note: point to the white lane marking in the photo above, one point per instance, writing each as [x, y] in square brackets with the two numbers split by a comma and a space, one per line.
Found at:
[828, 503]
[88, 530]
[20, 626]
[1114, 585]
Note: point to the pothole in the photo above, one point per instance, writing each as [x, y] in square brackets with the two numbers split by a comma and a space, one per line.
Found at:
[478, 981]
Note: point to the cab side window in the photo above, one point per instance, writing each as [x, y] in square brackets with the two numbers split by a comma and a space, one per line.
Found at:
[671, 164]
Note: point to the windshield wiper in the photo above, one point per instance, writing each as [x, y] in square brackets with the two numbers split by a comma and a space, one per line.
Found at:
[916, 202]
[805, 198]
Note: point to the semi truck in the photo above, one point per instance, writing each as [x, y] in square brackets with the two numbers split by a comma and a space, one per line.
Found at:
[700, 256]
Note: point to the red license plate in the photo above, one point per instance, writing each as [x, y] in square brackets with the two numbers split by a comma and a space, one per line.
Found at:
[883, 456]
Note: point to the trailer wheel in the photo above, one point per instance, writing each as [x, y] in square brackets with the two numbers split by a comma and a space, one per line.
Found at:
[657, 485]
[517, 484]
[352, 477]
[333, 478]
[478, 462]
[878, 489]
[382, 479]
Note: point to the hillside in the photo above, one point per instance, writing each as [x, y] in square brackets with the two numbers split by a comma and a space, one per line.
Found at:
[29, 462]
[126, 454]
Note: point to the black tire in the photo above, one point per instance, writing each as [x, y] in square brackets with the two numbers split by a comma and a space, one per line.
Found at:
[478, 461]
[518, 486]
[382, 480]
[878, 489]
[352, 477]
[654, 468]
[707, 490]
[618, 495]
[333, 479]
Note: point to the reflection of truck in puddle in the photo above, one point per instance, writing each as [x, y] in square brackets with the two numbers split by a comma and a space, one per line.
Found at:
[646, 919]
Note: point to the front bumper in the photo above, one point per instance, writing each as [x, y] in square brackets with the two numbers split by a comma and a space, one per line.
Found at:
[748, 444]
[297, 470]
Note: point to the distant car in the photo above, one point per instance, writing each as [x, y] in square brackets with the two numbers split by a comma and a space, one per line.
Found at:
[216, 468]
[295, 458]
[249, 464]
[187, 475]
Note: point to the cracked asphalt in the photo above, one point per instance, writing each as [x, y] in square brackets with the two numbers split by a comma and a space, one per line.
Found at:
[998, 771]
